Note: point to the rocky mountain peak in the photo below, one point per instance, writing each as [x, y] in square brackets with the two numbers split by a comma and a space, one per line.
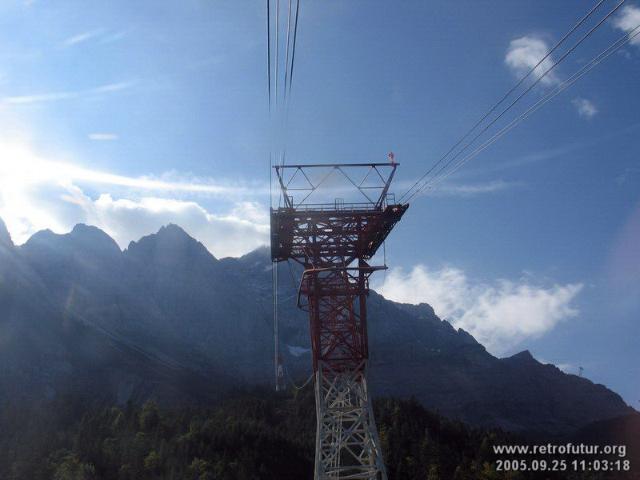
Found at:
[5, 237]
[93, 238]
[171, 244]
[523, 357]
[83, 240]
[173, 231]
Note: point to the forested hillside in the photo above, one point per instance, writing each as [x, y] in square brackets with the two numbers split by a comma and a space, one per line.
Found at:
[258, 435]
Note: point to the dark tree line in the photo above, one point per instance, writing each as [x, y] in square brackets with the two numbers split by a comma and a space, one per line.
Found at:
[259, 435]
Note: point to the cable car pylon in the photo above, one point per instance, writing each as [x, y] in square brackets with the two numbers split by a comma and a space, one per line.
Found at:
[335, 242]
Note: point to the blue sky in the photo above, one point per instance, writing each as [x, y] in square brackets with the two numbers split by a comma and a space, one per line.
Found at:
[131, 115]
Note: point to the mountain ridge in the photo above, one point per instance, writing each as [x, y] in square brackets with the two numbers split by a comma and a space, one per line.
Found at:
[169, 304]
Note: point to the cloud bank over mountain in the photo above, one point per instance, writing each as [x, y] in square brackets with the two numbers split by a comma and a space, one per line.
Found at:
[49, 193]
[500, 314]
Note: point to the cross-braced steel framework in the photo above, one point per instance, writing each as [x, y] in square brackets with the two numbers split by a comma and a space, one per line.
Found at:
[335, 242]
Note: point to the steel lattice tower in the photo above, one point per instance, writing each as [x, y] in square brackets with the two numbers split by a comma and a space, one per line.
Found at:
[334, 243]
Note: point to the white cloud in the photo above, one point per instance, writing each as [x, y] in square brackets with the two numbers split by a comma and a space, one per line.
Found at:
[24, 167]
[471, 189]
[463, 190]
[59, 207]
[38, 193]
[55, 96]
[585, 107]
[567, 368]
[524, 53]
[113, 87]
[114, 36]
[39, 98]
[102, 136]
[500, 315]
[100, 35]
[231, 234]
[81, 38]
[628, 20]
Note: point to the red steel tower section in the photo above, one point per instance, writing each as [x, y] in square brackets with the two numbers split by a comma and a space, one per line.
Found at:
[335, 243]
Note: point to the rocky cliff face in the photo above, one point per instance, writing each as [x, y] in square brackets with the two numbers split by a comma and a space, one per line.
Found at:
[165, 318]
[5, 238]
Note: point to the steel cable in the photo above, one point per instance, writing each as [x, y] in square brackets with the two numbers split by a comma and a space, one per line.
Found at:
[559, 89]
[518, 84]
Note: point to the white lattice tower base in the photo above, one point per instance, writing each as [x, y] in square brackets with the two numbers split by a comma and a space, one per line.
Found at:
[347, 444]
